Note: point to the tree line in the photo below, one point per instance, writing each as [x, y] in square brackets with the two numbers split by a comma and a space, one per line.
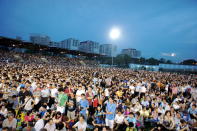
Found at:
[123, 60]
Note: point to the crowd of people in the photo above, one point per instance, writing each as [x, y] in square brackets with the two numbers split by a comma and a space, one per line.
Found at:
[55, 96]
[25, 58]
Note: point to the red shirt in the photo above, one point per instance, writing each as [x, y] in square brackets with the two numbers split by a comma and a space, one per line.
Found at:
[95, 103]
[89, 100]
[29, 118]
[68, 91]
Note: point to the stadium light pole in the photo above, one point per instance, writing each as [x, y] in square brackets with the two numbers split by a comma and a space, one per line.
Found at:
[114, 34]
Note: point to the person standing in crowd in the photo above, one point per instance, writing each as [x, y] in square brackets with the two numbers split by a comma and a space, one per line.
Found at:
[84, 105]
[81, 125]
[39, 123]
[10, 122]
[119, 120]
[50, 126]
[62, 100]
[71, 107]
[29, 127]
[79, 92]
[130, 118]
[45, 93]
[53, 95]
[28, 104]
[110, 113]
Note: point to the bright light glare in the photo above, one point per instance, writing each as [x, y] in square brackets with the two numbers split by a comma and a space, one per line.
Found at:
[114, 33]
[173, 54]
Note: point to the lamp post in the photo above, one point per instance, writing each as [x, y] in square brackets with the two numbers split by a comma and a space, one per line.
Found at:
[114, 34]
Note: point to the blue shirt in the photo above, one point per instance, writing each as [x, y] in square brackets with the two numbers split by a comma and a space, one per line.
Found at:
[145, 103]
[84, 103]
[111, 108]
[129, 119]
[191, 111]
[99, 121]
[186, 117]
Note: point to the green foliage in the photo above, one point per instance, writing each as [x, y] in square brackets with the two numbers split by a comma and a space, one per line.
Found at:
[189, 62]
[123, 60]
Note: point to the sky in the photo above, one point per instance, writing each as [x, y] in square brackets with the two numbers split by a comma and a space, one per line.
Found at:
[158, 28]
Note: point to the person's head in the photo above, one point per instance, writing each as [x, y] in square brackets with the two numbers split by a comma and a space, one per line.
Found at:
[43, 129]
[51, 121]
[98, 108]
[5, 129]
[30, 124]
[10, 117]
[60, 126]
[183, 122]
[14, 97]
[61, 90]
[89, 89]
[81, 119]
[79, 88]
[138, 113]
[104, 128]
[72, 95]
[38, 117]
[82, 96]
[193, 107]
[3, 107]
[22, 89]
[28, 96]
[168, 113]
[178, 115]
[58, 114]
[131, 115]
[119, 113]
[28, 113]
[111, 100]
[95, 97]
[131, 124]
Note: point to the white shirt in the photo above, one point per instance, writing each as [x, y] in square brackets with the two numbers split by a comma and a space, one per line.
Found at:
[4, 112]
[81, 125]
[137, 88]
[108, 81]
[143, 89]
[95, 80]
[137, 108]
[54, 92]
[50, 127]
[176, 106]
[34, 86]
[106, 92]
[167, 107]
[28, 104]
[45, 93]
[132, 88]
[39, 125]
[78, 94]
[119, 119]
[36, 101]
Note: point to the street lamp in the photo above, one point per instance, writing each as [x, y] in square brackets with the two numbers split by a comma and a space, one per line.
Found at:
[114, 34]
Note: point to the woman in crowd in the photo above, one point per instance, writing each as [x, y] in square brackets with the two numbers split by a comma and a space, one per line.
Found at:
[81, 125]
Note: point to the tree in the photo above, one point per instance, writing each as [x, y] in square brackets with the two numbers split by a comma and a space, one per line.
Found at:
[189, 62]
[152, 61]
[162, 60]
[142, 60]
[122, 60]
[168, 62]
